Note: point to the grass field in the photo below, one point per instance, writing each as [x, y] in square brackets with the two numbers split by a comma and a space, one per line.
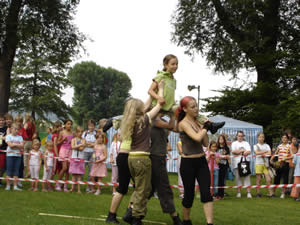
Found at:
[24, 208]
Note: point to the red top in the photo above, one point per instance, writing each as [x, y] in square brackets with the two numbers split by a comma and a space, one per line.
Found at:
[30, 131]
[22, 132]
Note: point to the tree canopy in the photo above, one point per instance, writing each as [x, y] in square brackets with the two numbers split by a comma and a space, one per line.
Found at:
[98, 92]
[43, 25]
[37, 83]
[260, 36]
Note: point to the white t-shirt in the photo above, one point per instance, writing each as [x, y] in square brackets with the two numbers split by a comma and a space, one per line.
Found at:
[49, 159]
[261, 148]
[89, 137]
[34, 158]
[236, 145]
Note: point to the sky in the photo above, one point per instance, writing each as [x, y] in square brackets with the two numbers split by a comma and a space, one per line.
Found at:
[133, 36]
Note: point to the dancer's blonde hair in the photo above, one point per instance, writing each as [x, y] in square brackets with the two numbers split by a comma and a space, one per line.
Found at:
[133, 113]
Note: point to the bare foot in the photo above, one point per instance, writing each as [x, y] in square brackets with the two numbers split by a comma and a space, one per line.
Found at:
[44, 190]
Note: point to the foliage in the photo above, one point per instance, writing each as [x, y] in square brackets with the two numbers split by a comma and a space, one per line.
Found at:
[36, 28]
[238, 34]
[37, 83]
[260, 36]
[98, 92]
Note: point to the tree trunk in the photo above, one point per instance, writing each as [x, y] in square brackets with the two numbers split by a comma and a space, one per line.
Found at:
[4, 86]
[8, 52]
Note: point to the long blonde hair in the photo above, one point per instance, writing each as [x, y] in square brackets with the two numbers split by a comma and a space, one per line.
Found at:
[133, 113]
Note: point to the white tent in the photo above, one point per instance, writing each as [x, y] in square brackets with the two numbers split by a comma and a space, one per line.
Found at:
[230, 128]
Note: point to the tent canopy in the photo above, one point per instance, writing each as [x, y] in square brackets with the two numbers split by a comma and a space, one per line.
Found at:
[233, 123]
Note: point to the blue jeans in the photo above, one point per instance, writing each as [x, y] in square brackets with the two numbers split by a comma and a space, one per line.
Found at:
[88, 156]
[216, 181]
[13, 164]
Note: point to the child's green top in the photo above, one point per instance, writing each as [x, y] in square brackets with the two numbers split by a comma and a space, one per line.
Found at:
[169, 89]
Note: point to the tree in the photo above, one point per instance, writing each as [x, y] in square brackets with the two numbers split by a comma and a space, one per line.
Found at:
[261, 36]
[37, 82]
[98, 92]
[48, 23]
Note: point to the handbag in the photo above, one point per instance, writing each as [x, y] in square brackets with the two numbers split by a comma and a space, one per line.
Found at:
[244, 167]
[272, 172]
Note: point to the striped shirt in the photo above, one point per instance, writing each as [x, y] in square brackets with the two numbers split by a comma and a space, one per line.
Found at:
[283, 152]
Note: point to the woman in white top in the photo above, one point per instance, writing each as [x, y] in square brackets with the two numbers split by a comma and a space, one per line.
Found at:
[262, 163]
[240, 148]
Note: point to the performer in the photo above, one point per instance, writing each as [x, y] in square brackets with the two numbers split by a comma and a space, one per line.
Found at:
[160, 179]
[193, 162]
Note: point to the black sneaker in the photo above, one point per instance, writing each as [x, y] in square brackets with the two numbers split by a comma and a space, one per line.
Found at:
[216, 126]
[112, 218]
[187, 222]
[258, 195]
[137, 221]
[128, 216]
[176, 220]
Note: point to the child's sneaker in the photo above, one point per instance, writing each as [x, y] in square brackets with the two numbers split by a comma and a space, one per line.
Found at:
[282, 195]
[17, 189]
[249, 195]
[19, 184]
[238, 195]
[98, 192]
[7, 188]
[58, 188]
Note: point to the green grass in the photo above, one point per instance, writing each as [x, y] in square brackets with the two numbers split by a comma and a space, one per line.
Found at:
[24, 208]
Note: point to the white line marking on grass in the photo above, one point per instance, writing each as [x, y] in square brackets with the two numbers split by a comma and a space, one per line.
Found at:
[71, 217]
[146, 221]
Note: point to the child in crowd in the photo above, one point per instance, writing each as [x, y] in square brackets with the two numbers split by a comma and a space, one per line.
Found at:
[90, 139]
[114, 151]
[3, 146]
[296, 190]
[213, 159]
[48, 165]
[170, 64]
[224, 162]
[65, 152]
[99, 169]
[34, 163]
[30, 129]
[262, 163]
[56, 129]
[8, 121]
[284, 155]
[21, 132]
[13, 156]
[77, 168]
